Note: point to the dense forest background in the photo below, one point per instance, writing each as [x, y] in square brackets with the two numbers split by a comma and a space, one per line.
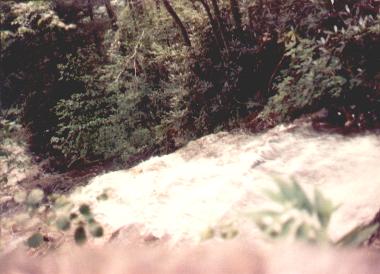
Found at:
[100, 80]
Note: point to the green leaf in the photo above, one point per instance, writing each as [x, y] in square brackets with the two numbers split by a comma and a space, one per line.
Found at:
[358, 235]
[35, 240]
[96, 230]
[286, 227]
[275, 196]
[302, 232]
[80, 235]
[63, 223]
[90, 220]
[324, 208]
[85, 210]
[286, 190]
[302, 200]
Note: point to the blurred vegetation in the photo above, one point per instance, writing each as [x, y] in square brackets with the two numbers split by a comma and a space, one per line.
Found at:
[295, 215]
[10, 160]
[292, 214]
[46, 214]
[123, 80]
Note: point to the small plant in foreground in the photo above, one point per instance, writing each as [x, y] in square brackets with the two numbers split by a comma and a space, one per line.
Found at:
[301, 217]
[57, 210]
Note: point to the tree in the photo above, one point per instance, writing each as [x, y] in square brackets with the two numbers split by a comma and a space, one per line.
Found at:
[111, 13]
[235, 10]
[220, 24]
[214, 24]
[178, 22]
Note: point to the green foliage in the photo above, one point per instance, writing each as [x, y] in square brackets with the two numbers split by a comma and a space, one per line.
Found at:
[311, 78]
[63, 223]
[124, 104]
[91, 92]
[34, 41]
[358, 235]
[85, 129]
[35, 240]
[278, 51]
[10, 160]
[80, 235]
[98, 125]
[57, 211]
[301, 217]
[334, 71]
[22, 26]
[7, 131]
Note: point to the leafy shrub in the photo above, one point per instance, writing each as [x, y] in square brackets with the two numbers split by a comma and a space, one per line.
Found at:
[107, 120]
[85, 128]
[123, 105]
[307, 82]
[277, 51]
[228, 84]
[10, 160]
[30, 78]
[338, 71]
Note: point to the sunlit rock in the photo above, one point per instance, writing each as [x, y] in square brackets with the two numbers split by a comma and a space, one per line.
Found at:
[219, 180]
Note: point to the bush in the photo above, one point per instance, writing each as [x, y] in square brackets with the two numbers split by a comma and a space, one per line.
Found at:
[127, 101]
[226, 85]
[340, 71]
[34, 42]
[277, 51]
[108, 119]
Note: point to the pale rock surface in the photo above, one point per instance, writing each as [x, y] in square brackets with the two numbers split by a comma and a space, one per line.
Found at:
[220, 179]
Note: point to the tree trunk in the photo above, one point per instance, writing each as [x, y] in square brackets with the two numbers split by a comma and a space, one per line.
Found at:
[97, 40]
[235, 10]
[90, 9]
[178, 22]
[220, 24]
[111, 14]
[213, 23]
